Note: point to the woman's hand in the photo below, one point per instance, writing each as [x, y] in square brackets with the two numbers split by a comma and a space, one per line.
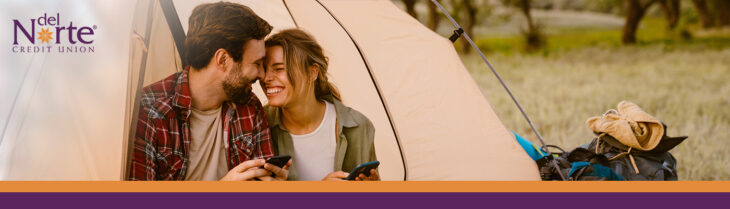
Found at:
[246, 171]
[373, 176]
[336, 176]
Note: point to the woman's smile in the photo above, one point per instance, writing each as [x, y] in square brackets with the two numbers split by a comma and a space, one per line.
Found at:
[273, 91]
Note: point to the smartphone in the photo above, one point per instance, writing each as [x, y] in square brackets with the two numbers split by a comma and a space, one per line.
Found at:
[363, 168]
[279, 161]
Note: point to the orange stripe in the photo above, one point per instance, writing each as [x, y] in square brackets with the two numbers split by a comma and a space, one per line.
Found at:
[423, 186]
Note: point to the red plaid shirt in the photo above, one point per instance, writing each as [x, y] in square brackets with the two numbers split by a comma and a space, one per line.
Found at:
[162, 141]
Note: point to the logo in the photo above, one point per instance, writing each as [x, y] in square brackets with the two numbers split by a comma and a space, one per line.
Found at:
[49, 34]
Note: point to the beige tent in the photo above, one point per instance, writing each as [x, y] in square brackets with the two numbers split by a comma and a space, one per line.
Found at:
[431, 120]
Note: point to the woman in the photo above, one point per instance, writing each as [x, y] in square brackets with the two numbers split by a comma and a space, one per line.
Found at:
[307, 119]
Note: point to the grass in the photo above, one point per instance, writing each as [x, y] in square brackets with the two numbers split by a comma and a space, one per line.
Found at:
[687, 90]
[582, 73]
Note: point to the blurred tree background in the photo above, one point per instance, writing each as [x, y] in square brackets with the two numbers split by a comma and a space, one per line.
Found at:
[532, 26]
[568, 60]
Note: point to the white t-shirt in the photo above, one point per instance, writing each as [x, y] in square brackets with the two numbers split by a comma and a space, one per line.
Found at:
[314, 153]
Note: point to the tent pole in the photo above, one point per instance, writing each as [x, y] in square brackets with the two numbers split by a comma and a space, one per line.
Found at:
[466, 36]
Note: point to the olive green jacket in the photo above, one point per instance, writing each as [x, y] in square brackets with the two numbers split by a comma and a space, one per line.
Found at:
[355, 141]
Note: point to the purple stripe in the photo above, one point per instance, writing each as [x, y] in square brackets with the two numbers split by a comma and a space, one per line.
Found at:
[365, 200]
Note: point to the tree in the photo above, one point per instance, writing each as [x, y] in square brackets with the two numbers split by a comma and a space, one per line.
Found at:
[533, 36]
[434, 17]
[671, 12]
[411, 8]
[713, 13]
[468, 13]
[465, 12]
[469, 21]
[635, 10]
[722, 12]
[703, 11]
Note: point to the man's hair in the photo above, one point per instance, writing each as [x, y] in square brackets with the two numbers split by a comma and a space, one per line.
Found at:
[225, 25]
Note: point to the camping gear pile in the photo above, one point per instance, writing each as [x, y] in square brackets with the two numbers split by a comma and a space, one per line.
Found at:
[629, 145]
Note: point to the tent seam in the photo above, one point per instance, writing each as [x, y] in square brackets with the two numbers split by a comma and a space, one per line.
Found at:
[377, 88]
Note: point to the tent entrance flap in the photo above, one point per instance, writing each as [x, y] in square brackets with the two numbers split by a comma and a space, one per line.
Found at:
[133, 89]
[157, 27]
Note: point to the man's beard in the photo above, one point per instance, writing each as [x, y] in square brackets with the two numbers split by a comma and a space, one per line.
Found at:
[237, 87]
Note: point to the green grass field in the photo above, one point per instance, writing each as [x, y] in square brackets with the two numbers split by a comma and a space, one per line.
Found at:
[582, 73]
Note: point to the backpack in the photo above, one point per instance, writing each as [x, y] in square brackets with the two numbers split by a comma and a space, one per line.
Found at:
[605, 159]
[652, 165]
[579, 164]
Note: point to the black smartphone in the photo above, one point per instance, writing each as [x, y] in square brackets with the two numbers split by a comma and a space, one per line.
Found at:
[279, 161]
[363, 168]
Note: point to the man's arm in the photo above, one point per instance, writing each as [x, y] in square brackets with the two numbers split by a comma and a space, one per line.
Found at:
[143, 166]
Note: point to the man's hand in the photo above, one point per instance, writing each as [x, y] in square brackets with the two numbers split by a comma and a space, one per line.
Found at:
[247, 170]
[280, 174]
[373, 176]
[336, 176]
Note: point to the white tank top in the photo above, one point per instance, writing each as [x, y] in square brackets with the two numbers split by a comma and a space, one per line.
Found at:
[314, 153]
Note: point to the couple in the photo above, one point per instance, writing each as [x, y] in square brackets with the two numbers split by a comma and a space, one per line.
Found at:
[204, 123]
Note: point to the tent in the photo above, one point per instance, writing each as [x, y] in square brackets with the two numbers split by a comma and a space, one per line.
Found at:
[69, 116]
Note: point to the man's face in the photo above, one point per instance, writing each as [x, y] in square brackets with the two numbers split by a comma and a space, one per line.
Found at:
[240, 75]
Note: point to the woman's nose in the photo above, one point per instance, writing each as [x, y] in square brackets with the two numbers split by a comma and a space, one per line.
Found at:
[267, 76]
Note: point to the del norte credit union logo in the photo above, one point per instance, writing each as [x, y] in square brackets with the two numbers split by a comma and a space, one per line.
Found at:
[49, 34]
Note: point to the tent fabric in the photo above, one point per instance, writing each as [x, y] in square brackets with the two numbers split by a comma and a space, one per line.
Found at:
[65, 118]
[349, 73]
[436, 105]
[406, 79]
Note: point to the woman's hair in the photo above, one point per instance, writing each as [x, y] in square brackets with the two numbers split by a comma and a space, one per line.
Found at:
[301, 51]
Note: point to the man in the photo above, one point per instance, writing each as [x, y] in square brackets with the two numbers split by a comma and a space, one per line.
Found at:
[204, 123]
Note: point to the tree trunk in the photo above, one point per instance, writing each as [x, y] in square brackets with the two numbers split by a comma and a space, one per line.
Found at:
[671, 12]
[433, 16]
[411, 8]
[704, 13]
[469, 22]
[635, 10]
[525, 7]
[722, 13]
[533, 37]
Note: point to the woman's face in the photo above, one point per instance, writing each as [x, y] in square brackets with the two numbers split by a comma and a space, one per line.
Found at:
[276, 83]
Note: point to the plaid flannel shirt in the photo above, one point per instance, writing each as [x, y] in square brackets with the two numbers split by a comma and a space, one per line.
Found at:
[162, 140]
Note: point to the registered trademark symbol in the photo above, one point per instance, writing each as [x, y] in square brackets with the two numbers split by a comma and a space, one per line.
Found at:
[94, 27]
